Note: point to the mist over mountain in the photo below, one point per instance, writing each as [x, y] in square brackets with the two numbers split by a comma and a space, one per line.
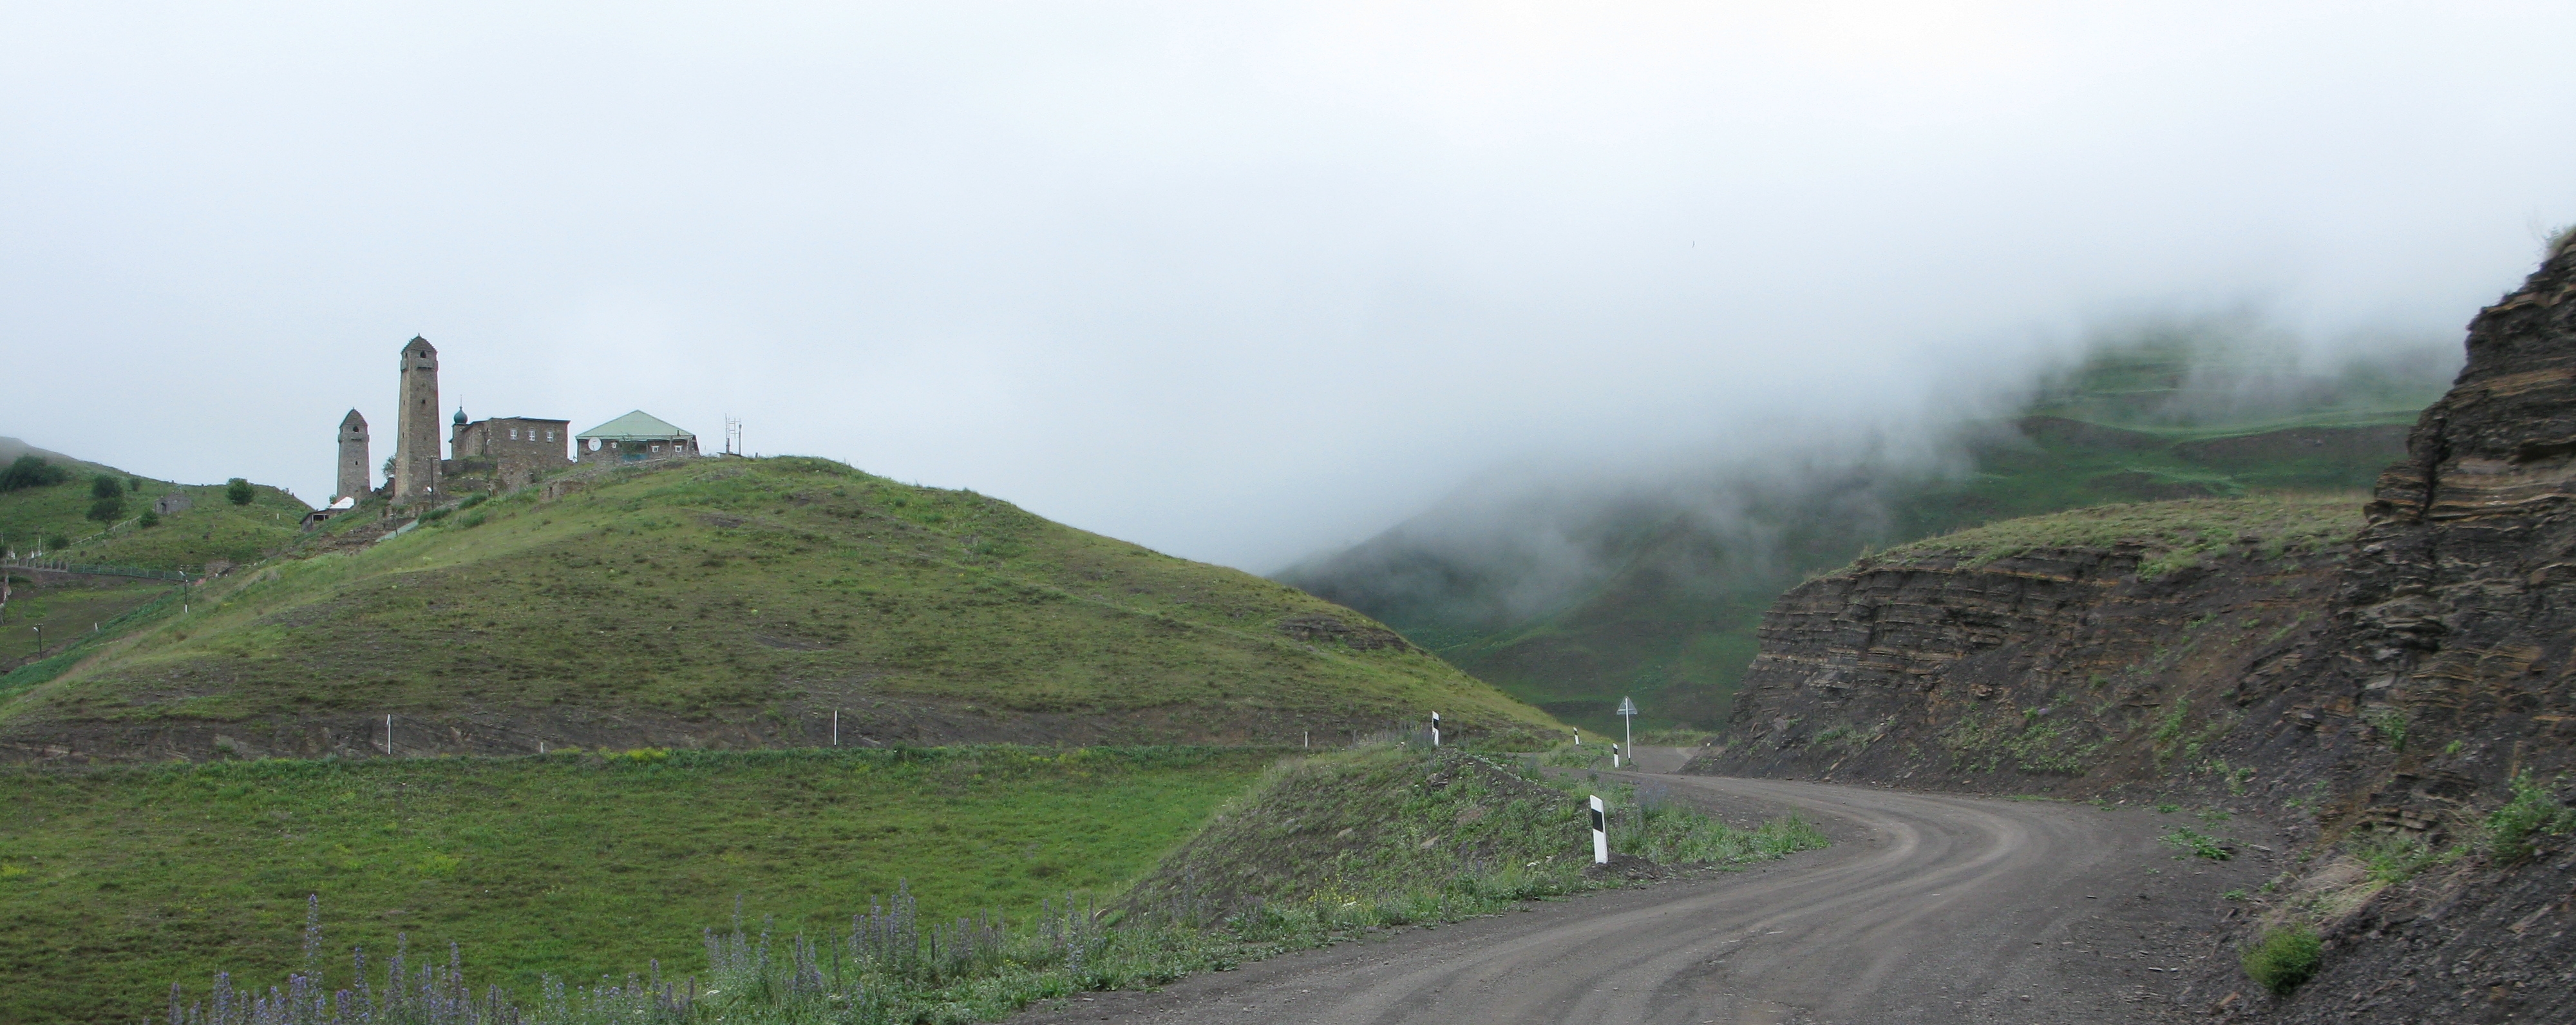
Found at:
[1572, 584]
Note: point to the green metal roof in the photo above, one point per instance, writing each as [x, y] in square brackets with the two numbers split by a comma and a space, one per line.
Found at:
[636, 426]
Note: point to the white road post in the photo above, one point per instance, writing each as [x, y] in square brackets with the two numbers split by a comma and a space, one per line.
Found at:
[389, 736]
[1628, 711]
[1578, 736]
[1435, 729]
[1600, 833]
[836, 727]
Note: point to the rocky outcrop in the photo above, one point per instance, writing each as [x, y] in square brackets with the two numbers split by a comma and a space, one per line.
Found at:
[2054, 669]
[2389, 691]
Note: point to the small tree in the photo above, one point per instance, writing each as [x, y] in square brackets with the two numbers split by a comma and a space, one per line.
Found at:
[106, 485]
[238, 491]
[133, 483]
[32, 471]
[108, 509]
[148, 520]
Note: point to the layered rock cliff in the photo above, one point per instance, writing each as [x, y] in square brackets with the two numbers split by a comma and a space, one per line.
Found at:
[2395, 690]
[2078, 652]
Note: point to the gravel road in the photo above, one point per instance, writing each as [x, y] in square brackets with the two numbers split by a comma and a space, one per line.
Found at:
[1927, 909]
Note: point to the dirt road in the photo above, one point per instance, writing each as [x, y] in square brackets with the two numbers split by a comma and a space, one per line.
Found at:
[1927, 909]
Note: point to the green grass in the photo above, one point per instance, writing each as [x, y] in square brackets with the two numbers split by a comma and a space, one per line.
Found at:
[2513, 831]
[2173, 534]
[2197, 844]
[1352, 838]
[768, 973]
[746, 586]
[2284, 957]
[211, 530]
[66, 613]
[116, 883]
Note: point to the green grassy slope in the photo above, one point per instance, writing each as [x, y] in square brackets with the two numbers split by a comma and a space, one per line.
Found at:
[742, 588]
[1673, 623]
[67, 613]
[1353, 835]
[211, 530]
[115, 884]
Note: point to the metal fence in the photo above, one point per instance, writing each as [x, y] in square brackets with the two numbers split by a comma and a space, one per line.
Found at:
[68, 566]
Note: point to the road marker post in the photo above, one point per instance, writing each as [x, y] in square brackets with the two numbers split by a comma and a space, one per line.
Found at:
[1435, 729]
[1628, 711]
[1600, 833]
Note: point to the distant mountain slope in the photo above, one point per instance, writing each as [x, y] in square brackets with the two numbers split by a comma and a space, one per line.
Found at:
[741, 603]
[1573, 607]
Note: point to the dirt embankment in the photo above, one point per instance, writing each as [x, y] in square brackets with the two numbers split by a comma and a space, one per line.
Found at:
[2389, 692]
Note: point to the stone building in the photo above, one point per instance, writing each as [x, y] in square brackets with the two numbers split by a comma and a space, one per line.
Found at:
[416, 468]
[635, 438]
[355, 481]
[174, 502]
[516, 449]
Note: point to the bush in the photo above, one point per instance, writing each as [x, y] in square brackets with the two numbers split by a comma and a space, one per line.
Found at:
[108, 509]
[2284, 958]
[32, 471]
[148, 520]
[238, 491]
[2393, 859]
[2533, 811]
[58, 541]
[2200, 845]
[106, 485]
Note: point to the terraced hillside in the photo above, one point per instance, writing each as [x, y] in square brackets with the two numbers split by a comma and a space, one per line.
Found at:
[738, 603]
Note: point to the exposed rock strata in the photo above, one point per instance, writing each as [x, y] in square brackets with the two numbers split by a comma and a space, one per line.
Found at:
[2436, 671]
[2052, 669]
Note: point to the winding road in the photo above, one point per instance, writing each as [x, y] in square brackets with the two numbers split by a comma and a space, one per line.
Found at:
[1927, 909]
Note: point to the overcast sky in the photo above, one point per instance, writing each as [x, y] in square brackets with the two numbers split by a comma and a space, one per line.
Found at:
[1234, 281]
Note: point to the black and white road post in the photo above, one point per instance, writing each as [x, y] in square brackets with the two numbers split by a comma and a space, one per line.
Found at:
[1435, 729]
[1600, 833]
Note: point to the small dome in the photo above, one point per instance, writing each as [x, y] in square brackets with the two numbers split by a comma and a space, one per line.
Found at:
[460, 414]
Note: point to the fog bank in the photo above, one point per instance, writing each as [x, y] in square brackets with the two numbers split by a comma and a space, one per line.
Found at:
[1240, 283]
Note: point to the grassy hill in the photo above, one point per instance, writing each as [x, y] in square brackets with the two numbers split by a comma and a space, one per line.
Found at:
[1670, 613]
[741, 603]
[116, 883]
[211, 530]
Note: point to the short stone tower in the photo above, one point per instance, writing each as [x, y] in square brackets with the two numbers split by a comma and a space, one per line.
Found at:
[354, 478]
[416, 427]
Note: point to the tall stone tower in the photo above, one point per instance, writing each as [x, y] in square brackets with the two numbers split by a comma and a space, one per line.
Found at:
[416, 427]
[354, 477]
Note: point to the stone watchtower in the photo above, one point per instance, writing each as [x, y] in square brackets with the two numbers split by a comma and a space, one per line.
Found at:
[416, 427]
[354, 477]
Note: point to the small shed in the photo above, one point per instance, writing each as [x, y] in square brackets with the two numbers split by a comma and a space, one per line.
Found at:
[634, 438]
